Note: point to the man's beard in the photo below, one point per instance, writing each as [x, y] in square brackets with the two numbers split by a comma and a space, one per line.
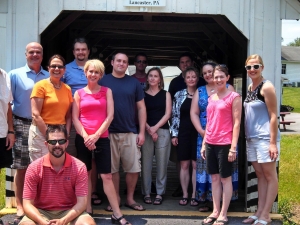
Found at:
[81, 59]
[62, 151]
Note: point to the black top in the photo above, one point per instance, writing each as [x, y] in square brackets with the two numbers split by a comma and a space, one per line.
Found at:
[178, 84]
[186, 126]
[156, 108]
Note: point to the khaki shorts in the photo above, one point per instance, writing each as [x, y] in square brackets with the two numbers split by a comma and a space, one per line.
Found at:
[50, 215]
[124, 149]
[36, 143]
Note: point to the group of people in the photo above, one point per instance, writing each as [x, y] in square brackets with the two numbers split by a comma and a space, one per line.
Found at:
[127, 120]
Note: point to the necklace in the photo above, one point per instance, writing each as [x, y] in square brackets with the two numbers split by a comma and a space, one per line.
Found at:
[56, 87]
[191, 95]
[212, 90]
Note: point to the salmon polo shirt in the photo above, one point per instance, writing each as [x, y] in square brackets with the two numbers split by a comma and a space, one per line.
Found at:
[53, 190]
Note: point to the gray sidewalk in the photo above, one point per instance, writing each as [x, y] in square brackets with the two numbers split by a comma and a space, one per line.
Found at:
[294, 128]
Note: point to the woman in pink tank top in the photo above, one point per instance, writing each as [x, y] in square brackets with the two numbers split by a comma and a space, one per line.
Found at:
[93, 111]
[220, 142]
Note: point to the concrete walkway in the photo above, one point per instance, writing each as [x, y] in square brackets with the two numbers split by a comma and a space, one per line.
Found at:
[294, 128]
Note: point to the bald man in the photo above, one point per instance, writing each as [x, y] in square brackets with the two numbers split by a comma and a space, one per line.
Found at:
[22, 82]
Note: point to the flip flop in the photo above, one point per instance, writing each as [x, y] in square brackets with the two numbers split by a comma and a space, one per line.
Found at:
[132, 206]
[205, 208]
[194, 202]
[262, 222]
[250, 220]
[184, 200]
[223, 222]
[147, 200]
[158, 201]
[96, 199]
[17, 219]
[212, 220]
[109, 208]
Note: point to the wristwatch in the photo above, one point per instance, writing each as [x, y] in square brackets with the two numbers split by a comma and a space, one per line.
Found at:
[10, 132]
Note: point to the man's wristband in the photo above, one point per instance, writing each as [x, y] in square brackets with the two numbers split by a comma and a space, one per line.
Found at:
[10, 132]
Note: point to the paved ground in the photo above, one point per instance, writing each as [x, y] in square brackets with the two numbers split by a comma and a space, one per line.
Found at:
[156, 220]
[294, 128]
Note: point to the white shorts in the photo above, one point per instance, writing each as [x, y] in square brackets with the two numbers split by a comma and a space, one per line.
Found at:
[258, 150]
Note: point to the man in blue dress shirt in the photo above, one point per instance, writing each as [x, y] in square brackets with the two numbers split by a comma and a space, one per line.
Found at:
[22, 82]
[74, 76]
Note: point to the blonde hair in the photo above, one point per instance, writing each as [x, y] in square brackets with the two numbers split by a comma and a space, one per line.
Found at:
[96, 63]
[254, 56]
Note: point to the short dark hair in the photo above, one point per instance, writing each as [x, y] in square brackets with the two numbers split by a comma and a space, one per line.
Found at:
[57, 56]
[189, 69]
[140, 54]
[187, 54]
[56, 128]
[114, 55]
[81, 40]
[221, 67]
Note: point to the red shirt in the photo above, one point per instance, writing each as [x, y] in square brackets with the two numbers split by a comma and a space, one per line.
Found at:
[53, 190]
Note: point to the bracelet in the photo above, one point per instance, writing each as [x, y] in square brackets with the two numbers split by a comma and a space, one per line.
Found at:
[233, 151]
[10, 132]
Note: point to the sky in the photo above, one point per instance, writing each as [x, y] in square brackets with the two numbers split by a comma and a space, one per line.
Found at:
[290, 31]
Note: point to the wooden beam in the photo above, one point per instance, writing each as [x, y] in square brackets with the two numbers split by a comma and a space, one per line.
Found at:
[177, 27]
[61, 26]
[231, 31]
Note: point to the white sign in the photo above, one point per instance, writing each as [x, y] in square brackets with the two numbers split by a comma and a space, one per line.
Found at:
[145, 3]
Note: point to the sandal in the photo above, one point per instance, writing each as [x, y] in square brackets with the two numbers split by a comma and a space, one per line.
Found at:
[158, 201]
[262, 222]
[184, 200]
[110, 209]
[114, 220]
[147, 200]
[212, 220]
[96, 200]
[250, 220]
[194, 202]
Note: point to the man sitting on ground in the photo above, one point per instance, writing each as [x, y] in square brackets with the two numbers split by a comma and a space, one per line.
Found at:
[55, 189]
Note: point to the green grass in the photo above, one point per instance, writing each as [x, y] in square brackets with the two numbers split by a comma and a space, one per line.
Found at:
[289, 168]
[289, 178]
[291, 96]
[2, 188]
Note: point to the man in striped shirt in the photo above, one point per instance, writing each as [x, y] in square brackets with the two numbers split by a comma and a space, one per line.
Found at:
[55, 188]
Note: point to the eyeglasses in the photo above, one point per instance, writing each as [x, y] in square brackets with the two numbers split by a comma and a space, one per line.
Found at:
[256, 67]
[54, 142]
[141, 61]
[56, 66]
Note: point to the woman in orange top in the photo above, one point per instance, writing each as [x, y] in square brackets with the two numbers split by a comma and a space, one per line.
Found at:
[51, 101]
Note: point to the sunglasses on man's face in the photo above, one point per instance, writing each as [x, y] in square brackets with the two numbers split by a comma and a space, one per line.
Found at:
[141, 61]
[54, 142]
[256, 67]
